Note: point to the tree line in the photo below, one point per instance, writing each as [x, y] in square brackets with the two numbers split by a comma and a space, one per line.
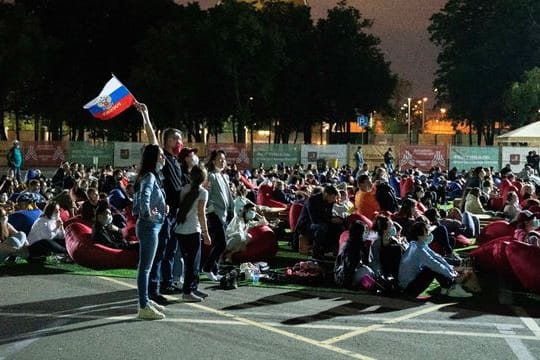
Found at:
[229, 65]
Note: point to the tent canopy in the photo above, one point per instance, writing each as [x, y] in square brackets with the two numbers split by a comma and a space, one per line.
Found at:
[527, 134]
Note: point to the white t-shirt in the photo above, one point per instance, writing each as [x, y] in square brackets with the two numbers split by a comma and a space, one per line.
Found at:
[192, 224]
[44, 228]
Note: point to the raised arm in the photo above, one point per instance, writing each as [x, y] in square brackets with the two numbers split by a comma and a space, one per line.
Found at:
[152, 138]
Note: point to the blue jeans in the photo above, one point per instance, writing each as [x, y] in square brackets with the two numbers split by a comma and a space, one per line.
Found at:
[169, 267]
[156, 273]
[147, 233]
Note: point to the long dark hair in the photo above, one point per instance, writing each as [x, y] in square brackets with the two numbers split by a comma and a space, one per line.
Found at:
[149, 159]
[197, 176]
[213, 156]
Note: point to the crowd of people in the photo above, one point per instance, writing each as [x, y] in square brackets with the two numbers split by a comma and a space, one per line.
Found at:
[180, 204]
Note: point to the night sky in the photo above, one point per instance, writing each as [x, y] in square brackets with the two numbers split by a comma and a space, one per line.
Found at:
[402, 27]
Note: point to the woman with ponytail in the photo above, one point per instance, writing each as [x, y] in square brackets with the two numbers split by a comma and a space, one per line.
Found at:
[191, 223]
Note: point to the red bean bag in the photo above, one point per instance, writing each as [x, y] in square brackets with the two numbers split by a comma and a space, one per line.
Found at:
[294, 213]
[495, 230]
[357, 216]
[462, 241]
[64, 215]
[77, 218]
[491, 257]
[262, 247]
[87, 253]
[343, 239]
[496, 203]
[524, 259]
[264, 197]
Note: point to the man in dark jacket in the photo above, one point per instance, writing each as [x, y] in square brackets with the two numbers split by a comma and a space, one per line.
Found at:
[317, 223]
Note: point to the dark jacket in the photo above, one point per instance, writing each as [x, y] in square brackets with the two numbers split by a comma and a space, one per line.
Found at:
[315, 211]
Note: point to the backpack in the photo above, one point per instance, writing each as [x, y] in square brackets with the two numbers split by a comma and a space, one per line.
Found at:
[350, 255]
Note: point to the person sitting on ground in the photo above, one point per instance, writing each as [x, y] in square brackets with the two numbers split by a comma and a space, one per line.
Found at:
[420, 265]
[26, 213]
[47, 233]
[88, 208]
[317, 223]
[11, 240]
[457, 223]
[104, 232]
[387, 247]
[365, 201]
[237, 231]
[526, 226]
[343, 207]
[473, 204]
[68, 206]
[512, 208]
[442, 237]
[406, 216]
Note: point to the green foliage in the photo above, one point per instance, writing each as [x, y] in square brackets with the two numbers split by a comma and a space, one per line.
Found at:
[485, 46]
[523, 99]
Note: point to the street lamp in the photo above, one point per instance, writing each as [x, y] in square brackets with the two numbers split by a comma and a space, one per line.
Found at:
[423, 102]
[409, 118]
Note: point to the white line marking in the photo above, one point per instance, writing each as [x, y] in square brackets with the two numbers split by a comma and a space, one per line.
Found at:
[527, 320]
[516, 345]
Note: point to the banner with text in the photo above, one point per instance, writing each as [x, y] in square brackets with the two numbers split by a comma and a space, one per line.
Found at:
[234, 153]
[516, 157]
[37, 154]
[465, 158]
[127, 153]
[423, 157]
[271, 154]
[334, 155]
[91, 154]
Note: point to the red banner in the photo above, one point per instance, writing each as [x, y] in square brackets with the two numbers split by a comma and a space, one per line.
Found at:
[234, 153]
[43, 154]
[423, 157]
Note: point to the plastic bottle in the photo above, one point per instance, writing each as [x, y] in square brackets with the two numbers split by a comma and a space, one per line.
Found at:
[255, 276]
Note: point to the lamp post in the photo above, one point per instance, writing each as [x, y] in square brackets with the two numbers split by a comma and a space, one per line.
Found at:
[409, 118]
[423, 101]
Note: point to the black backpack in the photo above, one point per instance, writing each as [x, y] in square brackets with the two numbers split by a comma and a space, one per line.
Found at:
[350, 255]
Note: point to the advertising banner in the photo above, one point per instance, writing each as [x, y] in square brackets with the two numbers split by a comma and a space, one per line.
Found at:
[334, 155]
[235, 154]
[423, 157]
[41, 154]
[466, 158]
[91, 154]
[516, 156]
[127, 153]
[271, 154]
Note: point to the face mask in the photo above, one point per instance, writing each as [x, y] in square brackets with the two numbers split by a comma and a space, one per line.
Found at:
[250, 214]
[177, 149]
[392, 231]
[536, 223]
[159, 166]
[108, 221]
[429, 239]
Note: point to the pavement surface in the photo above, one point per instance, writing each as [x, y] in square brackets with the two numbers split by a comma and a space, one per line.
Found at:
[61, 316]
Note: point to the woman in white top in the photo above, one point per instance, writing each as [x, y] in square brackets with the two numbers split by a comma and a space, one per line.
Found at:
[191, 223]
[47, 233]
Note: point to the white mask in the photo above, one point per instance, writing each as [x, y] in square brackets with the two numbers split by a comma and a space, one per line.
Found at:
[195, 160]
[250, 214]
[159, 166]
[109, 219]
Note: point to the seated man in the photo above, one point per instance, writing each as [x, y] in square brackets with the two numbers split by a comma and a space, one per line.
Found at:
[88, 208]
[317, 222]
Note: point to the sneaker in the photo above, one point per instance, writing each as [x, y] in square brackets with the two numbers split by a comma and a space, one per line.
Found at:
[169, 290]
[156, 306]
[456, 291]
[149, 313]
[211, 276]
[191, 297]
[200, 294]
[159, 299]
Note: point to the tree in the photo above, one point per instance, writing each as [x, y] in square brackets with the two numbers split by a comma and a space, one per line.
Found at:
[523, 99]
[353, 71]
[485, 46]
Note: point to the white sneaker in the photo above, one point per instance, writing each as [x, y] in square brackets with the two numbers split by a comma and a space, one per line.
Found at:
[211, 276]
[149, 313]
[456, 291]
[156, 306]
[191, 297]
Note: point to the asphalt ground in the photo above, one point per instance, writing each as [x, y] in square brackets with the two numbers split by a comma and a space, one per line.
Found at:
[65, 316]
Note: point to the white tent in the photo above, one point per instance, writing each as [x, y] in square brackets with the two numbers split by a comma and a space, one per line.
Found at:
[529, 134]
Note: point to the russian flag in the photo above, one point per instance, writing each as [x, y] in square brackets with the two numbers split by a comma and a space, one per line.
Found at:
[111, 101]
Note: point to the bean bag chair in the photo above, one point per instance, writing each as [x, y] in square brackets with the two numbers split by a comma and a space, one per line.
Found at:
[264, 197]
[64, 215]
[262, 247]
[22, 220]
[462, 241]
[357, 216]
[491, 257]
[494, 230]
[87, 253]
[77, 218]
[524, 259]
[118, 200]
[496, 203]
[294, 213]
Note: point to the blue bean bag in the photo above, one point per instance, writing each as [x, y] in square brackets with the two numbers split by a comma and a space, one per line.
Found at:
[22, 220]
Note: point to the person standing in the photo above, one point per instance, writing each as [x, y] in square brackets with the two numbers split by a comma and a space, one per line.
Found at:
[359, 159]
[151, 210]
[15, 159]
[161, 274]
[218, 212]
[190, 224]
[389, 160]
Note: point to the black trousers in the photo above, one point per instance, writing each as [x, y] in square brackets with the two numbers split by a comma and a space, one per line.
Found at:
[45, 247]
[216, 229]
[190, 246]
[424, 279]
